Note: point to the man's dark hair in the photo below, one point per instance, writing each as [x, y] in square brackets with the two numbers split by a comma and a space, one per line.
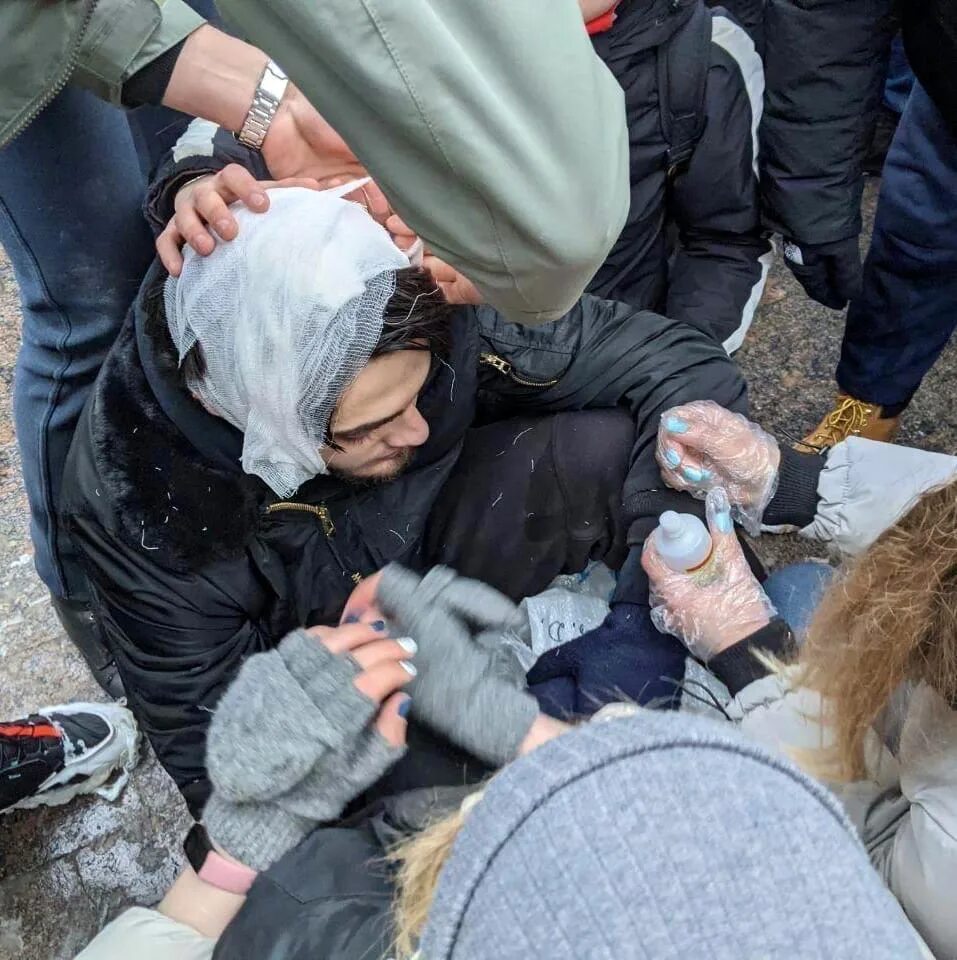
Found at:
[417, 315]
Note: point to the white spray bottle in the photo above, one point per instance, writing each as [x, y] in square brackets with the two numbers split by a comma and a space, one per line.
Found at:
[682, 541]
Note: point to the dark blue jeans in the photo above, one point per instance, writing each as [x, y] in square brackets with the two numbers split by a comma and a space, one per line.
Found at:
[71, 190]
[70, 221]
[795, 591]
[906, 313]
[900, 78]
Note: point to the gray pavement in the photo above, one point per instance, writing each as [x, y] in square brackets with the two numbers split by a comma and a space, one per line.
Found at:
[64, 872]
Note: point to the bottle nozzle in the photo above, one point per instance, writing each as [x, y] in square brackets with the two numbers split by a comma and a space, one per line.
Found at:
[682, 540]
[672, 526]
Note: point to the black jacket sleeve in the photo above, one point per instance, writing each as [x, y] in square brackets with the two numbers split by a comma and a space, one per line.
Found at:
[605, 354]
[825, 64]
[203, 148]
[723, 257]
[330, 896]
[178, 639]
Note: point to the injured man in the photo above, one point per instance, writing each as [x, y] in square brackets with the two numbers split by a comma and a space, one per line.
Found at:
[302, 407]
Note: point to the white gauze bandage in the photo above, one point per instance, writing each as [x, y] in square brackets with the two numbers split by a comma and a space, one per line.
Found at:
[286, 315]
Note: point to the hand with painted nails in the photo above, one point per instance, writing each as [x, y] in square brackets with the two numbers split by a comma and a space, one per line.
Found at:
[302, 731]
[701, 446]
[719, 603]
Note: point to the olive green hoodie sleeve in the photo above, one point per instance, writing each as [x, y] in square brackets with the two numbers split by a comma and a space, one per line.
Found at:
[491, 124]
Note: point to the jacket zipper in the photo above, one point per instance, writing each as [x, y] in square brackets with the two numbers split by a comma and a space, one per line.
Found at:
[321, 512]
[61, 81]
[496, 362]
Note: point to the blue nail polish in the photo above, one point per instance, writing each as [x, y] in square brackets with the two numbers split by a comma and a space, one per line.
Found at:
[405, 707]
[352, 618]
[693, 474]
[707, 475]
[673, 457]
[725, 524]
[378, 625]
[676, 425]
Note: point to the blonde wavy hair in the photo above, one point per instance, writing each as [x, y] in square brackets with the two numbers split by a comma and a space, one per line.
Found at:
[890, 618]
[419, 861]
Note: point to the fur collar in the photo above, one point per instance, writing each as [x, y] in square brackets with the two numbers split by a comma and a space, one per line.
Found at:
[162, 494]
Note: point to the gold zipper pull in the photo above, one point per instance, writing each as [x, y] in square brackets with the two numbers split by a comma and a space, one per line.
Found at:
[328, 527]
[495, 361]
[505, 368]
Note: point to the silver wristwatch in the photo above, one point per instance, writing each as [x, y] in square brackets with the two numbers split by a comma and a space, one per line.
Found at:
[269, 93]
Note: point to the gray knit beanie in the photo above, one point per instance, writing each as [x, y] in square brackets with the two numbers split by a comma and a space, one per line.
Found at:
[660, 836]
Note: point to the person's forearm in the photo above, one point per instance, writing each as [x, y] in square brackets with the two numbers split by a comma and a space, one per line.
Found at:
[544, 728]
[205, 908]
[215, 78]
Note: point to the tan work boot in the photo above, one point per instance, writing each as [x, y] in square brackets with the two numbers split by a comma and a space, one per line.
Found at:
[849, 418]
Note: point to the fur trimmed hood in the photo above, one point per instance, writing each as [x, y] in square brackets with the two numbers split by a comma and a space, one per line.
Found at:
[135, 471]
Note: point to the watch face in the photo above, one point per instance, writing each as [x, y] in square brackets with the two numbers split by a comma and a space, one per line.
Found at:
[196, 846]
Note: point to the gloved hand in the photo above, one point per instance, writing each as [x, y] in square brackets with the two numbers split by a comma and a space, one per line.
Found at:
[718, 604]
[459, 690]
[301, 732]
[830, 273]
[624, 658]
[701, 446]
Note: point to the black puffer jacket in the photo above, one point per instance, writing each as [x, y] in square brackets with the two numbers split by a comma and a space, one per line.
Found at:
[195, 565]
[705, 213]
[824, 67]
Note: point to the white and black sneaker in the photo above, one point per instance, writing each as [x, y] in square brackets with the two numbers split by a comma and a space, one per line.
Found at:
[59, 753]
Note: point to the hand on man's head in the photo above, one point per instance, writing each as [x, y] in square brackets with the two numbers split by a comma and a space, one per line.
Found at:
[202, 216]
[302, 143]
[456, 287]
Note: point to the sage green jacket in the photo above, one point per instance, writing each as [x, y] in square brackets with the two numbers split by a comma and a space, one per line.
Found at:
[97, 43]
[493, 127]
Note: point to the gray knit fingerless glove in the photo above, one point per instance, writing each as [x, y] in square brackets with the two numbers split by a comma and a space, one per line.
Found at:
[290, 745]
[458, 690]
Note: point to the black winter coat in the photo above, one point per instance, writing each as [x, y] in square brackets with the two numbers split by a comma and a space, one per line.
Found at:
[332, 895]
[825, 65]
[692, 246]
[194, 565]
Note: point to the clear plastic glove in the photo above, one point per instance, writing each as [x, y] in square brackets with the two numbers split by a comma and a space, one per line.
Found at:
[702, 446]
[716, 605]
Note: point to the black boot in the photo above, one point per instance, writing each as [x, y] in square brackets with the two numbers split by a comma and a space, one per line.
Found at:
[81, 627]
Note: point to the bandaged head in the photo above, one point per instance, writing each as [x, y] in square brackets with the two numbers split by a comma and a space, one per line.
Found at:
[286, 316]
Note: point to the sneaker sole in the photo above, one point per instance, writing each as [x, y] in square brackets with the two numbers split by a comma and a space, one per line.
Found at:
[93, 771]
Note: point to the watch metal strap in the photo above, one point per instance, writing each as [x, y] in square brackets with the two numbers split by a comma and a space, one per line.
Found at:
[269, 93]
